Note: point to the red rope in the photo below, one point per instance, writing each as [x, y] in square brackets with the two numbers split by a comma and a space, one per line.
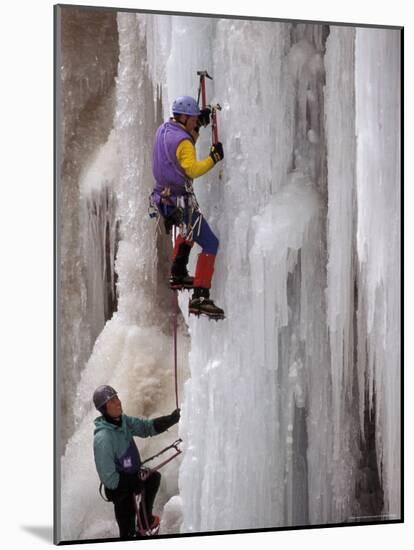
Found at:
[175, 308]
[175, 347]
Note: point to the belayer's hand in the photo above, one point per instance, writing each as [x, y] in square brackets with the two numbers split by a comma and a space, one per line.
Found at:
[162, 423]
[216, 152]
[175, 416]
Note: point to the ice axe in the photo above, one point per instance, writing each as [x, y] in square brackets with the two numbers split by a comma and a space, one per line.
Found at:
[202, 87]
[214, 108]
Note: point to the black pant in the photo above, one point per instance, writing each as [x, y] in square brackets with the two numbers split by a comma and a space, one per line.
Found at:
[124, 505]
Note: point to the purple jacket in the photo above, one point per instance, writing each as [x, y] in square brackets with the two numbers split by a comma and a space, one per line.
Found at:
[165, 167]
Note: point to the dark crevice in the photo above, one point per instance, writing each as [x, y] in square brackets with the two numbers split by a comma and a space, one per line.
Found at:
[369, 492]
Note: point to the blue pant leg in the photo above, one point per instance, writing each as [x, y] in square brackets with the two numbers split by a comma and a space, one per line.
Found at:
[204, 236]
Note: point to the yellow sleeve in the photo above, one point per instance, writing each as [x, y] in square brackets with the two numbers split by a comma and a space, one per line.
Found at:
[187, 159]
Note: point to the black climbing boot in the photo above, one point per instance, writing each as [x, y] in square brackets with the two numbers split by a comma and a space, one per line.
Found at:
[200, 304]
[178, 282]
[179, 275]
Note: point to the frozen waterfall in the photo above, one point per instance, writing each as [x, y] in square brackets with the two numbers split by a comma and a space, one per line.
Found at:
[290, 406]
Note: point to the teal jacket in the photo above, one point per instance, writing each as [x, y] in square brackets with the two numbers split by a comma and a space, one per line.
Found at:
[115, 449]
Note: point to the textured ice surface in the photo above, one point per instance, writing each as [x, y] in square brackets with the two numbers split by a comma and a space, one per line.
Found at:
[378, 242]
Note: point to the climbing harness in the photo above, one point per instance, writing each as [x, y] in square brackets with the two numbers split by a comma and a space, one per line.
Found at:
[144, 473]
[176, 218]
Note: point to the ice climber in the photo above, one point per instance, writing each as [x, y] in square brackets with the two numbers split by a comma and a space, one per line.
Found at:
[175, 166]
[118, 462]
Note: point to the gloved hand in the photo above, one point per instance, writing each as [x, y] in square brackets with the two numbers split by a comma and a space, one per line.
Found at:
[204, 116]
[216, 152]
[162, 423]
[175, 415]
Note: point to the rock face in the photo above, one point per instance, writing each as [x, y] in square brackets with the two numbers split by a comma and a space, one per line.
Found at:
[87, 66]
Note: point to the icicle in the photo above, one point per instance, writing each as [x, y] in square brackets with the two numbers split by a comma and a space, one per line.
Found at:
[99, 220]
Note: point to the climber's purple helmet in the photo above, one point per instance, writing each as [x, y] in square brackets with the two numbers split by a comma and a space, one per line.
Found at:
[185, 105]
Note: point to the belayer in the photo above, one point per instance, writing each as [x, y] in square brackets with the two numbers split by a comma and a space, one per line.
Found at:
[175, 166]
[118, 462]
